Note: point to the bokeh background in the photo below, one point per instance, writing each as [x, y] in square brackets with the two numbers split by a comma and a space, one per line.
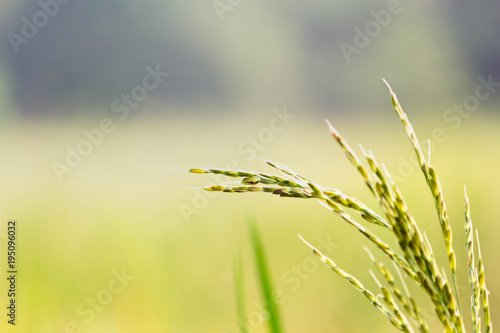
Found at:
[111, 241]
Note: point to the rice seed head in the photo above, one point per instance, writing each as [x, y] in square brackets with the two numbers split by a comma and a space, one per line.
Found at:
[354, 282]
[417, 259]
[433, 183]
[409, 303]
[484, 291]
[472, 272]
[351, 155]
[431, 177]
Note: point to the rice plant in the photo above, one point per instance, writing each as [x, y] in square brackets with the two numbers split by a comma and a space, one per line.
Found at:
[413, 259]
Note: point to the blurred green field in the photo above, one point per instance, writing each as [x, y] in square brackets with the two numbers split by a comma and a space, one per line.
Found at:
[122, 244]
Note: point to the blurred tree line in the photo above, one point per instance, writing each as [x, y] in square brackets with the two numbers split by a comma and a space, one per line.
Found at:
[82, 55]
[477, 25]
